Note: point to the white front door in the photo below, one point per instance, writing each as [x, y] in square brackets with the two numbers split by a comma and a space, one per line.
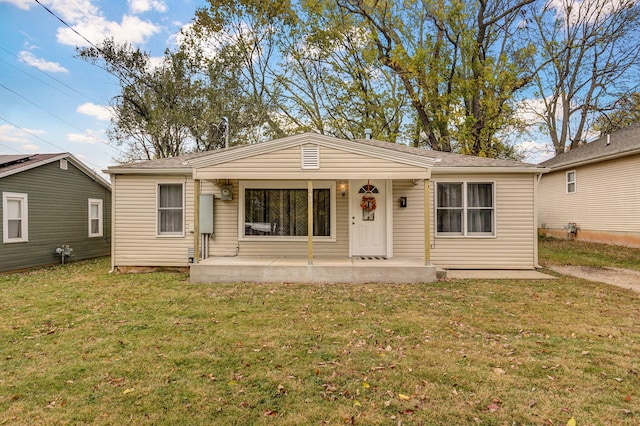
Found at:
[368, 218]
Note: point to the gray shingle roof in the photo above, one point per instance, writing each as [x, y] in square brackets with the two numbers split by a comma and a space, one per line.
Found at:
[443, 159]
[623, 142]
[448, 159]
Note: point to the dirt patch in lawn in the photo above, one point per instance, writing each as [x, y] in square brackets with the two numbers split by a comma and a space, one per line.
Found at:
[624, 278]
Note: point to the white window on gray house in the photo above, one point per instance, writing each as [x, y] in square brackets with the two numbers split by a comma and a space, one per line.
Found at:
[15, 217]
[465, 209]
[170, 209]
[95, 217]
[571, 182]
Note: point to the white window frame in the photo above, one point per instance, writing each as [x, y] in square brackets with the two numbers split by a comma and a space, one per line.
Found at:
[24, 208]
[331, 185]
[465, 208]
[100, 218]
[182, 208]
[573, 182]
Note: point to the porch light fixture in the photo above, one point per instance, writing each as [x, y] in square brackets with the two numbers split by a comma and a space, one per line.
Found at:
[343, 188]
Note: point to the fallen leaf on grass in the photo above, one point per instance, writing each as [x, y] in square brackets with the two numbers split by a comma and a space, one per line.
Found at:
[627, 398]
[498, 371]
[270, 413]
[493, 407]
[356, 403]
[571, 422]
[404, 397]
[126, 391]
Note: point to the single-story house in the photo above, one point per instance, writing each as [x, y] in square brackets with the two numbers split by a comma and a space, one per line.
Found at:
[314, 208]
[54, 209]
[592, 192]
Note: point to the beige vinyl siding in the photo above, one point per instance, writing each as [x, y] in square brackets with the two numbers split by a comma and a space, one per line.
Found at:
[338, 248]
[513, 246]
[224, 241]
[286, 164]
[135, 240]
[607, 197]
[408, 223]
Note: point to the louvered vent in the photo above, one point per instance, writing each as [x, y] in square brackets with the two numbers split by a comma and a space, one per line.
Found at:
[310, 157]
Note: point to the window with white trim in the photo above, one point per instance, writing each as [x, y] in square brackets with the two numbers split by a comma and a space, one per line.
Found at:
[15, 217]
[571, 182]
[279, 210]
[170, 209]
[465, 209]
[95, 217]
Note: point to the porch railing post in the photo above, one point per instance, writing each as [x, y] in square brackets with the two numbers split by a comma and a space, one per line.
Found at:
[310, 222]
[427, 223]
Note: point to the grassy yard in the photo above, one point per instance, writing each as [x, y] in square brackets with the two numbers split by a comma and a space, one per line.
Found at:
[553, 250]
[78, 345]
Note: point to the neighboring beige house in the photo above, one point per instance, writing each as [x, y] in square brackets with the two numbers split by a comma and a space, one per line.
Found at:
[248, 211]
[592, 192]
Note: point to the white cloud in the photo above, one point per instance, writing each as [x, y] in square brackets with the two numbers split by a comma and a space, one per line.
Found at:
[535, 151]
[101, 112]
[12, 134]
[87, 137]
[155, 62]
[130, 30]
[41, 64]
[141, 6]
[22, 4]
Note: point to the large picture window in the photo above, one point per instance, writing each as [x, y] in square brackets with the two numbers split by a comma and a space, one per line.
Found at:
[465, 209]
[282, 212]
[15, 213]
[170, 209]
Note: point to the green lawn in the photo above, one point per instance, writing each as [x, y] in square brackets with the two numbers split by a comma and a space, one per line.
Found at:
[78, 345]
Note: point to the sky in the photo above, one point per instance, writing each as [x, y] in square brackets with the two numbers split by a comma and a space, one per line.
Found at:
[50, 100]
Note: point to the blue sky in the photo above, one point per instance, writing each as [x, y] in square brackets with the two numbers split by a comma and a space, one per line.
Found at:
[51, 101]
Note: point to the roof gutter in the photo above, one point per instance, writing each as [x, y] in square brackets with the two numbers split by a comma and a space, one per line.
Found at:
[488, 170]
[593, 160]
[132, 171]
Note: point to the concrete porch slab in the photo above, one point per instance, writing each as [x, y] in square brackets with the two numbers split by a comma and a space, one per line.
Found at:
[323, 270]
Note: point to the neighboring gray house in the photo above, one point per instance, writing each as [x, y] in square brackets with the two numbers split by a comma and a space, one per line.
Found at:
[50, 201]
[592, 192]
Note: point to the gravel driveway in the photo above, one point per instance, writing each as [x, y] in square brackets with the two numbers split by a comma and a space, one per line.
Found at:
[624, 278]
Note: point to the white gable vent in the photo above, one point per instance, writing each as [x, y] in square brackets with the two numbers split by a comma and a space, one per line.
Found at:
[63, 164]
[310, 156]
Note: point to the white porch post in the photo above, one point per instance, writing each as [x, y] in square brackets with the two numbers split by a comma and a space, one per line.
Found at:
[310, 222]
[196, 220]
[427, 227]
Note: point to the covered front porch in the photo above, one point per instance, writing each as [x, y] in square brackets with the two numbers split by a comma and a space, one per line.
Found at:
[274, 269]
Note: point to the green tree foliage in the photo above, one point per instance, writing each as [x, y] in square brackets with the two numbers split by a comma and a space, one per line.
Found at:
[624, 113]
[172, 108]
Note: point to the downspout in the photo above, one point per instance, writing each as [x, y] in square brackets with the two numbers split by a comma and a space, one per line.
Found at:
[196, 221]
[113, 224]
[536, 183]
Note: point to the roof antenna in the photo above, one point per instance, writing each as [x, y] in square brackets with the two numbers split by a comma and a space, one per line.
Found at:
[367, 133]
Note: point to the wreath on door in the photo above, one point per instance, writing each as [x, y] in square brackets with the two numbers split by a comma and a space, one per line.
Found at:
[368, 202]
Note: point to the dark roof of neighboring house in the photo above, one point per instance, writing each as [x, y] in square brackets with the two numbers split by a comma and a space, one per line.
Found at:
[12, 164]
[618, 144]
[443, 159]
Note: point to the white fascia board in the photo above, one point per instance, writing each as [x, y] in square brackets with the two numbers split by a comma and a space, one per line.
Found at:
[488, 170]
[146, 171]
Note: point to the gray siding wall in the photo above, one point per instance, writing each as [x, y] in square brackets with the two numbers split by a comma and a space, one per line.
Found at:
[57, 215]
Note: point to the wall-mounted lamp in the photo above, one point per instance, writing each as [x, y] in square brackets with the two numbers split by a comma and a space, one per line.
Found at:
[403, 202]
[343, 188]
